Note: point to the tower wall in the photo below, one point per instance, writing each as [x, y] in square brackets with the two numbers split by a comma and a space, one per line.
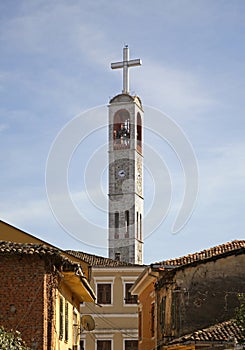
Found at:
[125, 179]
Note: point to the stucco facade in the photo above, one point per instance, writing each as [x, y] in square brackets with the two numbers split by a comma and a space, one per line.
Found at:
[115, 312]
[144, 288]
[200, 292]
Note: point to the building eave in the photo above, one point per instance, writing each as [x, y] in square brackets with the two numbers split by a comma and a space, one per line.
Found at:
[145, 278]
[79, 286]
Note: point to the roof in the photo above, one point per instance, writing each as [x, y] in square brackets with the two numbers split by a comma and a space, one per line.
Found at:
[100, 261]
[10, 233]
[124, 98]
[227, 331]
[73, 274]
[207, 254]
[34, 249]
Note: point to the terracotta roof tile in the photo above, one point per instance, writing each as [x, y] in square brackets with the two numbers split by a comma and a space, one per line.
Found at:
[99, 261]
[32, 249]
[226, 331]
[204, 254]
[27, 248]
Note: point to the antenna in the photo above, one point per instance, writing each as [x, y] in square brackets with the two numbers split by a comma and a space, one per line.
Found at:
[88, 322]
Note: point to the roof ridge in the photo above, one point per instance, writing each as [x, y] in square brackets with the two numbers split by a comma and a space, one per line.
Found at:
[97, 260]
[204, 254]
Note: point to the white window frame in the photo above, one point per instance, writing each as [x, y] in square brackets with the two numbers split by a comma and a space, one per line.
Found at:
[124, 341]
[105, 280]
[84, 342]
[105, 338]
[126, 280]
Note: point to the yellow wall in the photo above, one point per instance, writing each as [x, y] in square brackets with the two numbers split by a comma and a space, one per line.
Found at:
[73, 332]
[119, 321]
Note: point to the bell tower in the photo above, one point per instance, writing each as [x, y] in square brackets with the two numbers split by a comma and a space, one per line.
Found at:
[126, 200]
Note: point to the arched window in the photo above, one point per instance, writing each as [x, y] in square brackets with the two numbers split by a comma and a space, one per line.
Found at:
[121, 129]
[139, 133]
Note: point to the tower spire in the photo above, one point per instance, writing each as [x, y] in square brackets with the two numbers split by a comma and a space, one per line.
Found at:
[125, 65]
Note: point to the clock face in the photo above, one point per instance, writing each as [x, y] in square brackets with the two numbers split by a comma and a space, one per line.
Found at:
[121, 173]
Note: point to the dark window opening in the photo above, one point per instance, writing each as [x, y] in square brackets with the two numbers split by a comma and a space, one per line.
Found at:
[104, 293]
[126, 224]
[116, 225]
[140, 325]
[139, 133]
[66, 320]
[137, 225]
[61, 318]
[103, 344]
[129, 298]
[121, 129]
[131, 345]
[152, 319]
[140, 227]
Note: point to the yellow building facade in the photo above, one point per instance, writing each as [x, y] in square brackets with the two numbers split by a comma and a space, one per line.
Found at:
[115, 312]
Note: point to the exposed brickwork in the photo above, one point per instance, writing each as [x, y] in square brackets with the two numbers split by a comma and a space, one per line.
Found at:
[21, 296]
[30, 277]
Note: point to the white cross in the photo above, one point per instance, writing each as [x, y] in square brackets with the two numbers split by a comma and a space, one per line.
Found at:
[125, 64]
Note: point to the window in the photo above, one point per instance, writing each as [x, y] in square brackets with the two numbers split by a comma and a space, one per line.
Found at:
[104, 293]
[61, 318]
[140, 325]
[174, 311]
[103, 344]
[129, 298]
[137, 225]
[152, 319]
[121, 129]
[140, 227]
[82, 345]
[139, 133]
[126, 224]
[118, 256]
[116, 225]
[76, 332]
[162, 314]
[131, 344]
[66, 320]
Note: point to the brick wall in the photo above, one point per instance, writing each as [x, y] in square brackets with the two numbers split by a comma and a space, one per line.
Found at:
[21, 297]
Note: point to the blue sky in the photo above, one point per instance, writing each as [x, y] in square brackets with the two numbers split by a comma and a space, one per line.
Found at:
[55, 64]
